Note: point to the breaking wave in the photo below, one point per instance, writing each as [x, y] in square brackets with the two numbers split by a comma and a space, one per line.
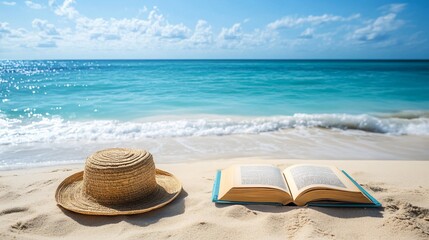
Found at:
[56, 129]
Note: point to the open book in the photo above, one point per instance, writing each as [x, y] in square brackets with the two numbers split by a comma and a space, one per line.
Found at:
[302, 184]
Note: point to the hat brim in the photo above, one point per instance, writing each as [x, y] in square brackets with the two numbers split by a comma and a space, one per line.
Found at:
[70, 196]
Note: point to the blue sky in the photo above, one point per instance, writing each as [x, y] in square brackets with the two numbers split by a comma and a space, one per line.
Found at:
[132, 29]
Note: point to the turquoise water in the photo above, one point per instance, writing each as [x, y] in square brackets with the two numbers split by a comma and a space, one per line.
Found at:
[128, 90]
[58, 112]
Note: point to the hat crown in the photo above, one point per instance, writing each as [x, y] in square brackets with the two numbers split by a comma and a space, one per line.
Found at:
[118, 175]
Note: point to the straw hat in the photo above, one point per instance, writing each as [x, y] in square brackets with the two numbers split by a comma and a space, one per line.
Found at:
[118, 181]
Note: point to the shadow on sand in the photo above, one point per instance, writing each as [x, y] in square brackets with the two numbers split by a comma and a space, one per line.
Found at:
[343, 212]
[176, 207]
[261, 207]
[339, 212]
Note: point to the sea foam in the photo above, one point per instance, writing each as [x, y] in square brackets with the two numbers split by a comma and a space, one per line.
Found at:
[57, 130]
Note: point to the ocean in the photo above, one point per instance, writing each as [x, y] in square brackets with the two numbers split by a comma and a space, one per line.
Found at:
[57, 112]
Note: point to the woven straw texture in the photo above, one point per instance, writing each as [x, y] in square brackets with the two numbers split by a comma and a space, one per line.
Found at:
[118, 182]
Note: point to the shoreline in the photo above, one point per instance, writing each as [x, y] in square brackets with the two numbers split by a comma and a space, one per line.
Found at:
[28, 209]
[303, 144]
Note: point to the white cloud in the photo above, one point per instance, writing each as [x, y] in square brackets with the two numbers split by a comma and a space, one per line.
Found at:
[33, 5]
[8, 3]
[289, 22]
[11, 33]
[66, 9]
[203, 34]
[379, 29]
[393, 8]
[16, 38]
[150, 31]
[4, 29]
[44, 27]
[260, 38]
[235, 38]
[178, 31]
[159, 26]
[18, 33]
[47, 44]
[307, 34]
[232, 33]
[142, 10]
[105, 37]
[132, 29]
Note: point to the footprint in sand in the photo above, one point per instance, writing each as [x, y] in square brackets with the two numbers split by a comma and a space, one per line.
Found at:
[62, 170]
[404, 216]
[29, 224]
[240, 212]
[3, 187]
[375, 187]
[302, 225]
[42, 183]
[13, 210]
[9, 196]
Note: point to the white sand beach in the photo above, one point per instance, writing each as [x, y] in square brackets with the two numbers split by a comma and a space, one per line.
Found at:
[28, 209]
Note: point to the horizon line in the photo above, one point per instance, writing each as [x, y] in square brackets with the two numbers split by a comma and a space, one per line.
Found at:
[220, 59]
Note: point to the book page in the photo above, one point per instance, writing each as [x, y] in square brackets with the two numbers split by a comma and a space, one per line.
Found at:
[261, 175]
[304, 176]
[261, 183]
[308, 175]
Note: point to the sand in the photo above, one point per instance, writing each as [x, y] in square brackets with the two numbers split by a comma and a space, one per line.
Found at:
[28, 209]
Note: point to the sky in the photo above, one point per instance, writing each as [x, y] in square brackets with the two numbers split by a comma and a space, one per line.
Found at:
[221, 29]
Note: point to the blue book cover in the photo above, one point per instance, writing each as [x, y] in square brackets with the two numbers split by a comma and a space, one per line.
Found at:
[375, 203]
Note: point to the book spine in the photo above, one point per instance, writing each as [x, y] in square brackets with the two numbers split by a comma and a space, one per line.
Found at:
[376, 203]
[215, 191]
